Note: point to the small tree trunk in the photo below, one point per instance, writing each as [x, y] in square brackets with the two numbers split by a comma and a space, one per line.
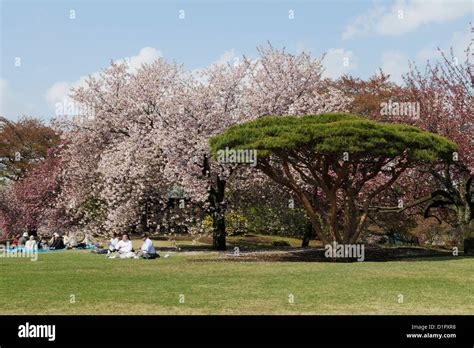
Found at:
[142, 226]
[468, 234]
[218, 216]
[218, 233]
[469, 246]
[307, 236]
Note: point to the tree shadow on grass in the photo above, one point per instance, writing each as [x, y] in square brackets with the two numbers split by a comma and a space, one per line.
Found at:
[185, 248]
[370, 255]
[259, 248]
[379, 255]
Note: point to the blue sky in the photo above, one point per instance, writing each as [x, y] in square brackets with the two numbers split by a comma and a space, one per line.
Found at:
[57, 52]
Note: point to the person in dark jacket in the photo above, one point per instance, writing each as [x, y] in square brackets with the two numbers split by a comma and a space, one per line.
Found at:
[43, 244]
[57, 242]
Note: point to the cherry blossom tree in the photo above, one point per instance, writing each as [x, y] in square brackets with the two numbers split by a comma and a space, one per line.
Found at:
[445, 93]
[148, 131]
[114, 158]
[276, 82]
[31, 203]
[209, 104]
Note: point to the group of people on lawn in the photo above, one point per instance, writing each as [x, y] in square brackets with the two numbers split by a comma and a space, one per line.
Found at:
[121, 248]
[31, 242]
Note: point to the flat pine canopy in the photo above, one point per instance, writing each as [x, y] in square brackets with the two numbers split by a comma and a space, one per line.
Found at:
[333, 133]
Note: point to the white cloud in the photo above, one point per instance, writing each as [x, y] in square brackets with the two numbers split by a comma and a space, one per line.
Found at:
[3, 96]
[59, 91]
[58, 94]
[145, 56]
[459, 41]
[427, 53]
[338, 62]
[363, 23]
[12, 104]
[406, 16]
[228, 57]
[395, 63]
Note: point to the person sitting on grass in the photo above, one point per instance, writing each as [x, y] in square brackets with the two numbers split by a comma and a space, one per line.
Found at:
[113, 242]
[43, 244]
[124, 248]
[31, 244]
[111, 248]
[23, 239]
[57, 242]
[147, 250]
[15, 241]
[69, 241]
[90, 242]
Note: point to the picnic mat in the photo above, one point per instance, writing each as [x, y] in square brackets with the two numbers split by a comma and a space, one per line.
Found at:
[12, 250]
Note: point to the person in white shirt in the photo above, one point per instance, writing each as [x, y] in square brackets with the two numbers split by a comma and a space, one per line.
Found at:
[113, 242]
[147, 250]
[69, 241]
[31, 244]
[23, 239]
[124, 248]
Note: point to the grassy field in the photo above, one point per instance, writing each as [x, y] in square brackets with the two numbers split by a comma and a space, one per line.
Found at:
[213, 286]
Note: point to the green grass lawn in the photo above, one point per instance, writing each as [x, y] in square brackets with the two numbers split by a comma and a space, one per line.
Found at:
[210, 286]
